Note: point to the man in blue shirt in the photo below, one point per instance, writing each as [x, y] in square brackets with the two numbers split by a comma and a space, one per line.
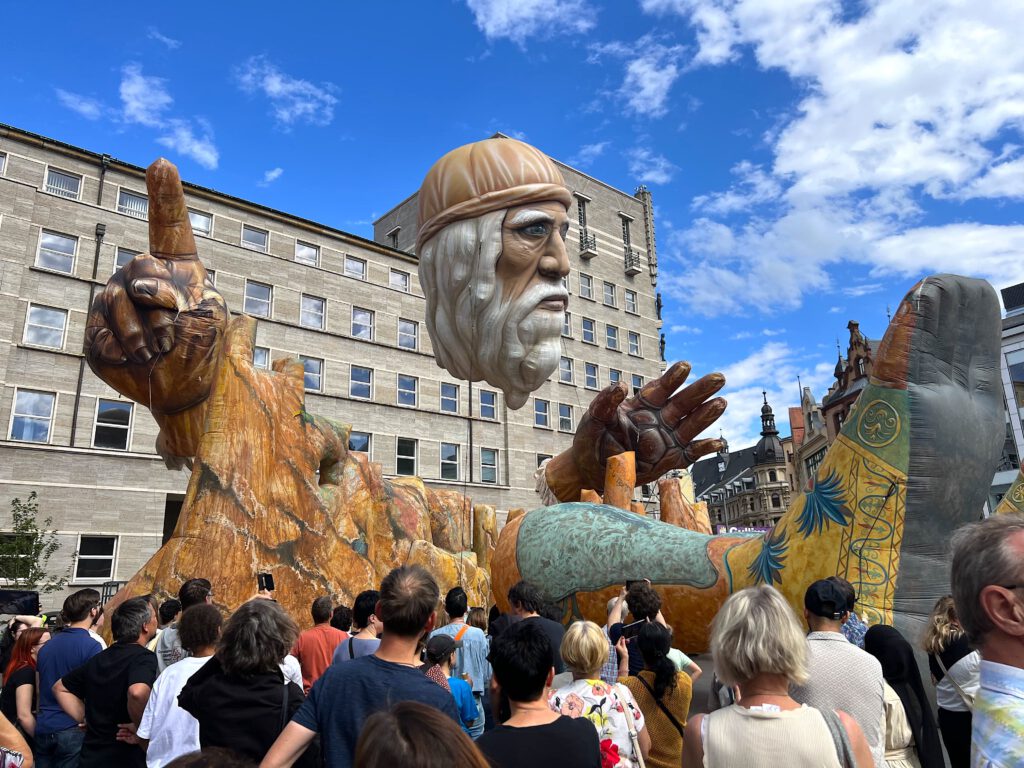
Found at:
[341, 700]
[58, 739]
[471, 657]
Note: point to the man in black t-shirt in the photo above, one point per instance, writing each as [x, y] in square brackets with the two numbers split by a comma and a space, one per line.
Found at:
[534, 735]
[526, 602]
[111, 689]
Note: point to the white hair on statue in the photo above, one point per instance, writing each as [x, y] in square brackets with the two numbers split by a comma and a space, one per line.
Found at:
[476, 333]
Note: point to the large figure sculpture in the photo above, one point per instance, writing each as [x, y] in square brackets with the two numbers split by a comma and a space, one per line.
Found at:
[274, 487]
[913, 461]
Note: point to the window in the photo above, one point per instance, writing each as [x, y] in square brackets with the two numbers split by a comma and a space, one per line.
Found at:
[565, 370]
[407, 389]
[776, 501]
[590, 375]
[408, 334]
[113, 424]
[631, 302]
[612, 337]
[565, 283]
[614, 376]
[32, 416]
[201, 222]
[64, 184]
[359, 442]
[122, 257]
[405, 456]
[586, 286]
[772, 476]
[57, 252]
[589, 334]
[625, 232]
[258, 299]
[449, 461]
[638, 383]
[95, 558]
[541, 458]
[3, 163]
[133, 204]
[360, 383]
[254, 238]
[313, 312]
[488, 465]
[564, 417]
[211, 274]
[488, 404]
[362, 323]
[261, 357]
[567, 325]
[355, 267]
[541, 413]
[44, 326]
[449, 398]
[609, 294]
[393, 237]
[1015, 367]
[634, 343]
[314, 376]
[399, 280]
[581, 212]
[307, 254]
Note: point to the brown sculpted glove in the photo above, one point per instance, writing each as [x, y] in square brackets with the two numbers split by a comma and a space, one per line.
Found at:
[156, 329]
[658, 425]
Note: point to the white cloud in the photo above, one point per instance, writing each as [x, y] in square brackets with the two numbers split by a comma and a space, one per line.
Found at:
[903, 106]
[649, 167]
[754, 187]
[269, 177]
[652, 67]
[773, 332]
[519, 20]
[742, 335]
[144, 99]
[154, 34]
[862, 290]
[90, 109]
[292, 100]
[182, 138]
[688, 329]
[835, 310]
[588, 153]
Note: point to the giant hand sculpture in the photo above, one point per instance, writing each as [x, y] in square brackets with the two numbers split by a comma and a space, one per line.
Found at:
[913, 461]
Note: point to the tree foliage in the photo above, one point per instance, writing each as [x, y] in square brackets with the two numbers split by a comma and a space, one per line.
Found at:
[26, 549]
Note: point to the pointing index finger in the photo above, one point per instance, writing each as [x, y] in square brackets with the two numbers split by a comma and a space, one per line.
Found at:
[170, 231]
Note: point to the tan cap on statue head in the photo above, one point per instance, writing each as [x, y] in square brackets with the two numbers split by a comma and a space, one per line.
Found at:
[482, 177]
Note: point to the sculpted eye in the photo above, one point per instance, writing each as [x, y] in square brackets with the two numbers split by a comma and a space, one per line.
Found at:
[535, 230]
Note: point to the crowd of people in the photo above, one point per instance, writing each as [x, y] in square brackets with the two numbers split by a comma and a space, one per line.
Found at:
[385, 683]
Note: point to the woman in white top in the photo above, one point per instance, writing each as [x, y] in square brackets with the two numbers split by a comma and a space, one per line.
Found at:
[759, 646]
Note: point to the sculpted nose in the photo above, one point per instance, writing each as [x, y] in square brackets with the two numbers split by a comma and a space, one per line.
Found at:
[555, 260]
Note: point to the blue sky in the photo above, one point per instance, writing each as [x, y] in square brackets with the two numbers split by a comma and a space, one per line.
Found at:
[809, 160]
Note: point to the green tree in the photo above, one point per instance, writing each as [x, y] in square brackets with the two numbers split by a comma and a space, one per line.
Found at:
[26, 549]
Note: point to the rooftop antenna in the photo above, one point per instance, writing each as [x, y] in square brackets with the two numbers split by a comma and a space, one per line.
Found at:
[888, 313]
[800, 388]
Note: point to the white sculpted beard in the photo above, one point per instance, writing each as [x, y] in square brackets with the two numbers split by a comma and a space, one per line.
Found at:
[476, 333]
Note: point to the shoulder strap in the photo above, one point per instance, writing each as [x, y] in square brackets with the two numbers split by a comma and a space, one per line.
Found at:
[461, 632]
[844, 751]
[661, 704]
[968, 700]
[351, 652]
[284, 705]
[638, 757]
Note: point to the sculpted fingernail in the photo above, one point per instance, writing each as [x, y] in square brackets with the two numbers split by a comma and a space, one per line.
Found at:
[164, 344]
[143, 354]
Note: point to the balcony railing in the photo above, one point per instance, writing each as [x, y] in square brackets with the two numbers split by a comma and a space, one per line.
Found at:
[632, 261]
[588, 244]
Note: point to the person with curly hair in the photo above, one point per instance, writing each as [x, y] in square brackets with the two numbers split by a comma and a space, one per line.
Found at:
[955, 669]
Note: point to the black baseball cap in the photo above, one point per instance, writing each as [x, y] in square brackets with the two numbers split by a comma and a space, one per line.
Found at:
[824, 598]
[441, 646]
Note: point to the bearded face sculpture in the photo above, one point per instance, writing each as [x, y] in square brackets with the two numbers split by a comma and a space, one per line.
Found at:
[491, 248]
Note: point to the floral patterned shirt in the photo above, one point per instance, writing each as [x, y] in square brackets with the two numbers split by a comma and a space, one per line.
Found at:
[602, 704]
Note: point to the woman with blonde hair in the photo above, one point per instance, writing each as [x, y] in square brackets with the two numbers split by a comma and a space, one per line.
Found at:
[955, 669]
[611, 708]
[759, 646]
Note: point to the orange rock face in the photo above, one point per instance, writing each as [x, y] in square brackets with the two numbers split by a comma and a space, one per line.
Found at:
[676, 511]
[274, 489]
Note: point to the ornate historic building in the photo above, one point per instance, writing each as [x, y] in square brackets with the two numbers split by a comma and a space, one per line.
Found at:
[748, 488]
[851, 374]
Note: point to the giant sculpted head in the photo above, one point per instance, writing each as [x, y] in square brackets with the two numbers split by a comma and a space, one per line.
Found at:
[491, 246]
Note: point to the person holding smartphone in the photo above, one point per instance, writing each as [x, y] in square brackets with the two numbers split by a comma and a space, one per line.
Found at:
[644, 606]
